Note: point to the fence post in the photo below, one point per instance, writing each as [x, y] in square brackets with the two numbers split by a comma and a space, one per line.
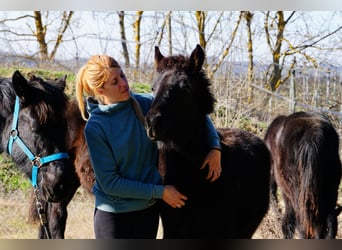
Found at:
[327, 90]
[292, 94]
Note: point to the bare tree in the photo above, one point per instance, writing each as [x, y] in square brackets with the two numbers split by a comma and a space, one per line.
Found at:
[169, 31]
[39, 30]
[136, 26]
[226, 51]
[248, 16]
[200, 17]
[166, 24]
[121, 15]
[275, 78]
[282, 45]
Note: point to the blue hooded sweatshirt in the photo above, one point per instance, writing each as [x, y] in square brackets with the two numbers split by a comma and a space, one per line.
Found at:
[124, 159]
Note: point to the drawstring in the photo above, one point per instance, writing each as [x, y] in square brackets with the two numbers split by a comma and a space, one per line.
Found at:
[137, 109]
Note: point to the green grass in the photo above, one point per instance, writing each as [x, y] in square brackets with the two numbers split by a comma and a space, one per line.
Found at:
[10, 176]
[141, 88]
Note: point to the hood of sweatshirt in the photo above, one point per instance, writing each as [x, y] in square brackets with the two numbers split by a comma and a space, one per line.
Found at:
[93, 106]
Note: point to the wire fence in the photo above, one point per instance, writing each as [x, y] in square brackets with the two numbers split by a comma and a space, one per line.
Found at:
[252, 105]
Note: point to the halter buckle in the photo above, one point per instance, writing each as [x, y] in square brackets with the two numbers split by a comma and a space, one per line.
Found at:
[14, 133]
[37, 162]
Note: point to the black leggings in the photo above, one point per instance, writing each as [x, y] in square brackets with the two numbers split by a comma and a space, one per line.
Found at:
[141, 224]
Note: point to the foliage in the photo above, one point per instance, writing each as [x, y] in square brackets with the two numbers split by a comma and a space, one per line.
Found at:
[231, 118]
[10, 177]
[141, 88]
[43, 73]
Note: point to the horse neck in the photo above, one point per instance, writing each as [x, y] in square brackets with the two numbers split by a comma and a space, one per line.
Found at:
[195, 145]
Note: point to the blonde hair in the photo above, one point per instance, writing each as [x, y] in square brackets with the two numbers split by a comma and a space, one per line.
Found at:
[91, 76]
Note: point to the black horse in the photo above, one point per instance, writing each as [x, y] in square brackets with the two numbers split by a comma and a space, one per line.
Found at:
[234, 205]
[307, 169]
[32, 131]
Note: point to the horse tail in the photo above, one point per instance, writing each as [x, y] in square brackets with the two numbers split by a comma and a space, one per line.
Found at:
[310, 190]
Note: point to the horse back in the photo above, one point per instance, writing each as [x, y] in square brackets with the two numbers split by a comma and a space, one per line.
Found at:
[246, 167]
[307, 168]
[308, 147]
[77, 146]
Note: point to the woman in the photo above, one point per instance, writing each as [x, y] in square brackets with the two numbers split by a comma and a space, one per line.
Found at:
[127, 181]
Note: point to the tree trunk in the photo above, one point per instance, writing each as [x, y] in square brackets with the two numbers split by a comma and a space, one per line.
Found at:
[250, 74]
[40, 35]
[136, 26]
[65, 23]
[200, 17]
[123, 38]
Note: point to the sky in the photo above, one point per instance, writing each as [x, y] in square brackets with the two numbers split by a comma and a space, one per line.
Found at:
[171, 5]
[103, 35]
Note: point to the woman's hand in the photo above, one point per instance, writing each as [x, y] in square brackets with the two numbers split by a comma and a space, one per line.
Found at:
[172, 197]
[213, 159]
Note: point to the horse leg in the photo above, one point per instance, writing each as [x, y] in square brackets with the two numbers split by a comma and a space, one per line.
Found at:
[274, 195]
[172, 221]
[331, 226]
[58, 214]
[289, 220]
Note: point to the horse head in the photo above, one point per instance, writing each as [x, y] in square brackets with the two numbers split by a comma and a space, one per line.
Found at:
[182, 97]
[34, 129]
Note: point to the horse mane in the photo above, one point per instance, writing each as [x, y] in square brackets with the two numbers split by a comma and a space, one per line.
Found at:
[52, 100]
[177, 63]
[6, 98]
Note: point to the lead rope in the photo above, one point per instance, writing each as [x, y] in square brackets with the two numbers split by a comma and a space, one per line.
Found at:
[161, 154]
[41, 213]
[137, 110]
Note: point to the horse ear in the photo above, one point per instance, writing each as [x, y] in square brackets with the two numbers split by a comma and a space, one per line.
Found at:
[157, 56]
[197, 58]
[61, 82]
[20, 84]
[31, 76]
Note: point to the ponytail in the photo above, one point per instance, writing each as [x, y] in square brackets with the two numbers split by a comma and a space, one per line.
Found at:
[80, 84]
[92, 76]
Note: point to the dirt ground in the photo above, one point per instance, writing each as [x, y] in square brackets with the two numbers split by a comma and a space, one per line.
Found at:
[14, 212]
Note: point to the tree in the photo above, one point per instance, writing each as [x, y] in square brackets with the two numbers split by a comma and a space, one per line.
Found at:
[166, 25]
[136, 27]
[226, 51]
[276, 68]
[48, 42]
[200, 17]
[123, 37]
[248, 16]
[301, 43]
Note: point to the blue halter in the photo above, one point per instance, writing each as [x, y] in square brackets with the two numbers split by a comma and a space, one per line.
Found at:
[36, 161]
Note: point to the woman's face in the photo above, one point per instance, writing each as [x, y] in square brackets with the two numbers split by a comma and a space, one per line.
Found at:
[116, 88]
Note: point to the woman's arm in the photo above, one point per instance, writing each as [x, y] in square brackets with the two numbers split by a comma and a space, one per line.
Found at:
[107, 172]
[213, 158]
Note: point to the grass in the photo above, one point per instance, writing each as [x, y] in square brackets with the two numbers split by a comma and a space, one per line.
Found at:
[14, 209]
[11, 179]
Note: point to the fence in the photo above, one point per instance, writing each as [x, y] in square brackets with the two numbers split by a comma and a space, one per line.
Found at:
[253, 106]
